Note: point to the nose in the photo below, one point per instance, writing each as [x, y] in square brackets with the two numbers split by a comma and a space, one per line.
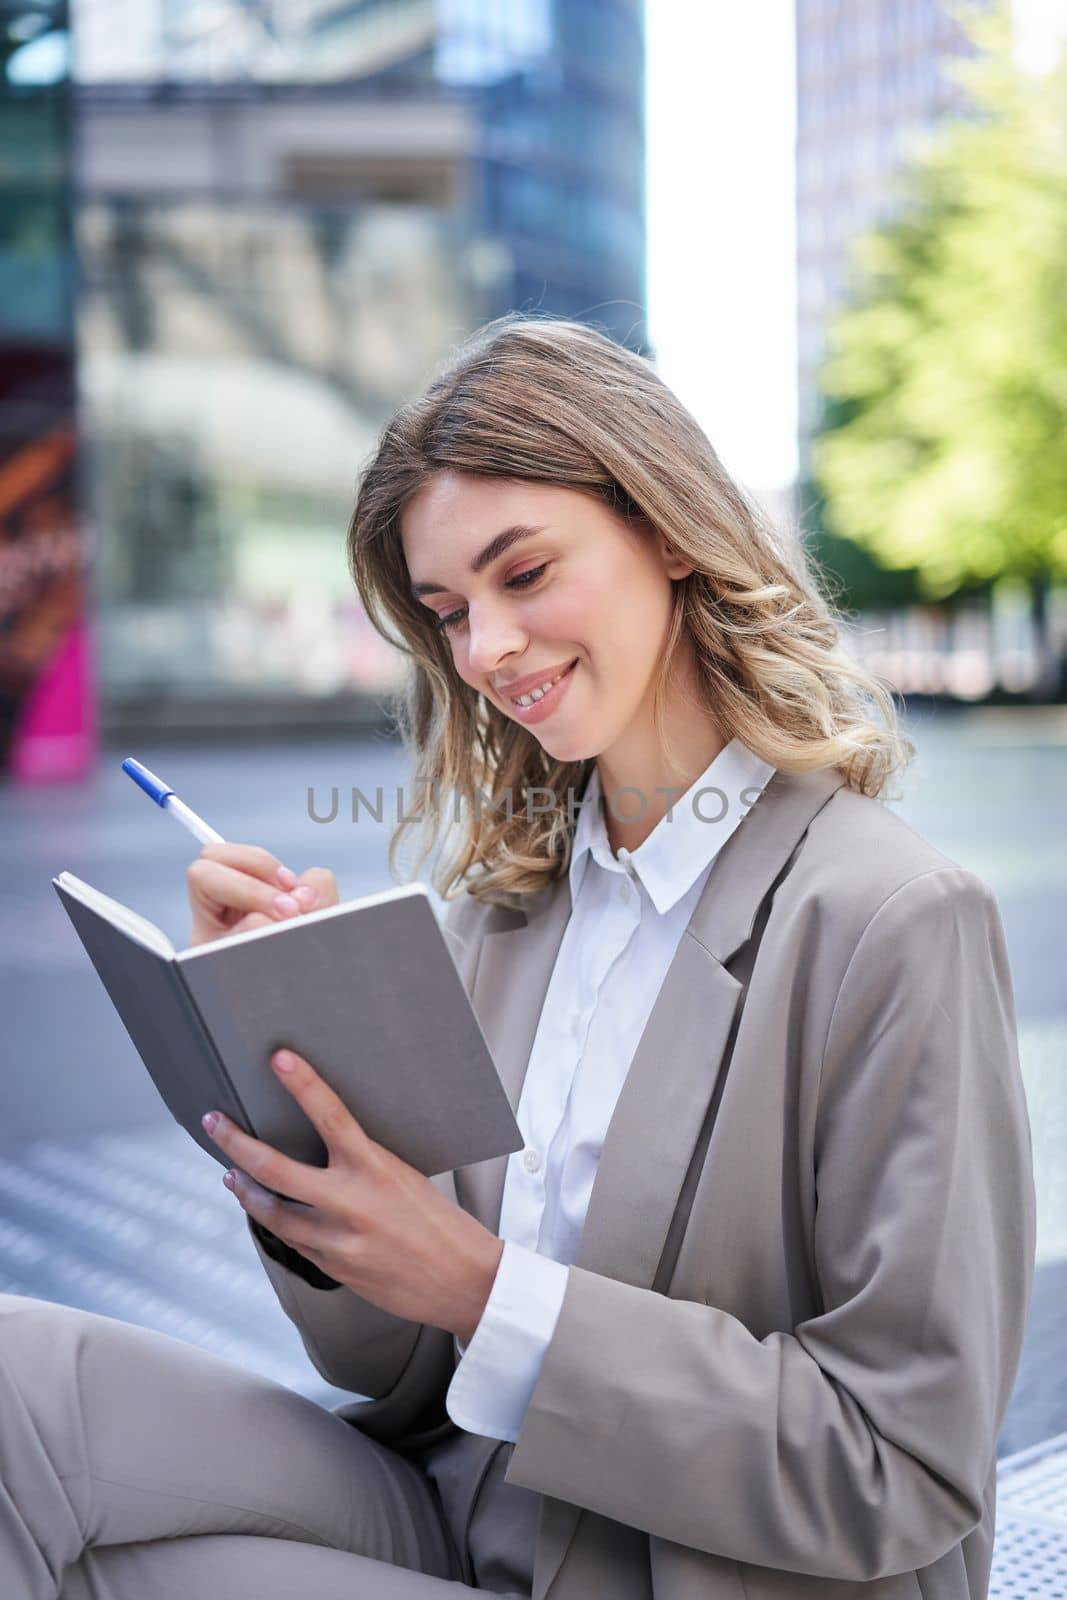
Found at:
[492, 637]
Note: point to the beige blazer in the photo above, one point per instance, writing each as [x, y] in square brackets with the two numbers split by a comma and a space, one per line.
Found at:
[790, 1337]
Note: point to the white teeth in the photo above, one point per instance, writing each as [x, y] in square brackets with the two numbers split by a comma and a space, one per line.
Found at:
[534, 695]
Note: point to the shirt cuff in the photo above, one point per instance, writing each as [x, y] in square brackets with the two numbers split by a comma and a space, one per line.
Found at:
[495, 1377]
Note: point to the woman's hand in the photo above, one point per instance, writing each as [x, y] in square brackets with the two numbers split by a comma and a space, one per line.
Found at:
[236, 887]
[368, 1219]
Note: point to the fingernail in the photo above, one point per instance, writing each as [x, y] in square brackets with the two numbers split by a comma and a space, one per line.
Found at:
[286, 877]
[284, 1061]
[286, 903]
[229, 1180]
[210, 1120]
[306, 895]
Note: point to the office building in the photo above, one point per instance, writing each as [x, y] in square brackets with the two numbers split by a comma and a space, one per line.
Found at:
[872, 83]
[286, 214]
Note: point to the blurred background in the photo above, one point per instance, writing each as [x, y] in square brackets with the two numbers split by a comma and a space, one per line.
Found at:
[235, 234]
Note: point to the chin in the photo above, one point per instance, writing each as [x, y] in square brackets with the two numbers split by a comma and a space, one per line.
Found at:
[562, 748]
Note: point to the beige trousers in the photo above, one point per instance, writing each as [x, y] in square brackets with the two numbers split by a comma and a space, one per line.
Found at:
[133, 1464]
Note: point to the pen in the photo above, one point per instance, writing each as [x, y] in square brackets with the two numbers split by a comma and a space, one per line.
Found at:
[165, 797]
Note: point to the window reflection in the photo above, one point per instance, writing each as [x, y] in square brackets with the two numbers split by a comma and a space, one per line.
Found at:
[391, 174]
[235, 365]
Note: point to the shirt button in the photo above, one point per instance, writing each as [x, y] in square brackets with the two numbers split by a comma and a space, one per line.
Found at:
[531, 1160]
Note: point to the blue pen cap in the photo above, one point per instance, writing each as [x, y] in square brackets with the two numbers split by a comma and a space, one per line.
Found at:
[146, 780]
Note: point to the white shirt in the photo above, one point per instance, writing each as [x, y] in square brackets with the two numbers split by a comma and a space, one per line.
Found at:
[628, 914]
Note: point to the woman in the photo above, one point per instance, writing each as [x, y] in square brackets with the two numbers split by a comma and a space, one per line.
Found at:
[744, 1315]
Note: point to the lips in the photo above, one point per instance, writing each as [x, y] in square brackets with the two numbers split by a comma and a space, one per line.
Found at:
[534, 680]
[539, 710]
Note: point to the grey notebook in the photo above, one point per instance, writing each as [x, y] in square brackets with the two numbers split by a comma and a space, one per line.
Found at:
[367, 992]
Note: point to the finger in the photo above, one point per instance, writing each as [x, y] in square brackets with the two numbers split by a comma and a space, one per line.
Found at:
[326, 1111]
[262, 1162]
[292, 1224]
[225, 888]
[320, 878]
[316, 887]
[251, 858]
[254, 919]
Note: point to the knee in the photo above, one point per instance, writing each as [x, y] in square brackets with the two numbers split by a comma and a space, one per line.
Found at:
[34, 1333]
[22, 1314]
[24, 1326]
[21, 1303]
[24, 1318]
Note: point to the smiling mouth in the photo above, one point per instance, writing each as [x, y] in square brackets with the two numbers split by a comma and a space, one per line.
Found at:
[527, 701]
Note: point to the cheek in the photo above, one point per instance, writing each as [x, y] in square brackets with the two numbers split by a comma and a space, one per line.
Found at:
[631, 633]
[553, 623]
[570, 618]
[462, 666]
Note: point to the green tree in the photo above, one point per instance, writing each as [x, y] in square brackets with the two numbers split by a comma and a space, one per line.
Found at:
[943, 444]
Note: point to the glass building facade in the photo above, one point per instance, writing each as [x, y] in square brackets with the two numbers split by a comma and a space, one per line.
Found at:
[286, 213]
[872, 83]
[559, 171]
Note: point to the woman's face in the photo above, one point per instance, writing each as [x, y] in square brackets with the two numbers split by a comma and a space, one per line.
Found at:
[581, 593]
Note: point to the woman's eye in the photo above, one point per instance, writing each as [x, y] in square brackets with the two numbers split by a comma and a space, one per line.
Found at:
[522, 580]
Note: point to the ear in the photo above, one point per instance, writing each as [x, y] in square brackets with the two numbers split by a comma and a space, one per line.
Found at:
[674, 565]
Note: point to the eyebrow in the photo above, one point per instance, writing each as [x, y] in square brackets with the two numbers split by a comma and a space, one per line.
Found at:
[496, 547]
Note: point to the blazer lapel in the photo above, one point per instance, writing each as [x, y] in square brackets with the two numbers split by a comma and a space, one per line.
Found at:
[675, 1069]
[680, 1055]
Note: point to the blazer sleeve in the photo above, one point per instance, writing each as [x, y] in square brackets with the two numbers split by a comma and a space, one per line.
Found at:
[858, 1443]
[403, 1367]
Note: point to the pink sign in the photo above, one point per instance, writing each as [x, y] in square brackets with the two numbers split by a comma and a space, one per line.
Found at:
[54, 737]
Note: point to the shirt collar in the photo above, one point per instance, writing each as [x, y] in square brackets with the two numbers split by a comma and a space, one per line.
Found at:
[682, 844]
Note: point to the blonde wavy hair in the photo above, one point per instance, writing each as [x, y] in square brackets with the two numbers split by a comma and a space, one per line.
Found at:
[535, 398]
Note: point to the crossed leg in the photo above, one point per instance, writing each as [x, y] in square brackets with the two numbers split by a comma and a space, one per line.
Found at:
[245, 1565]
[132, 1463]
